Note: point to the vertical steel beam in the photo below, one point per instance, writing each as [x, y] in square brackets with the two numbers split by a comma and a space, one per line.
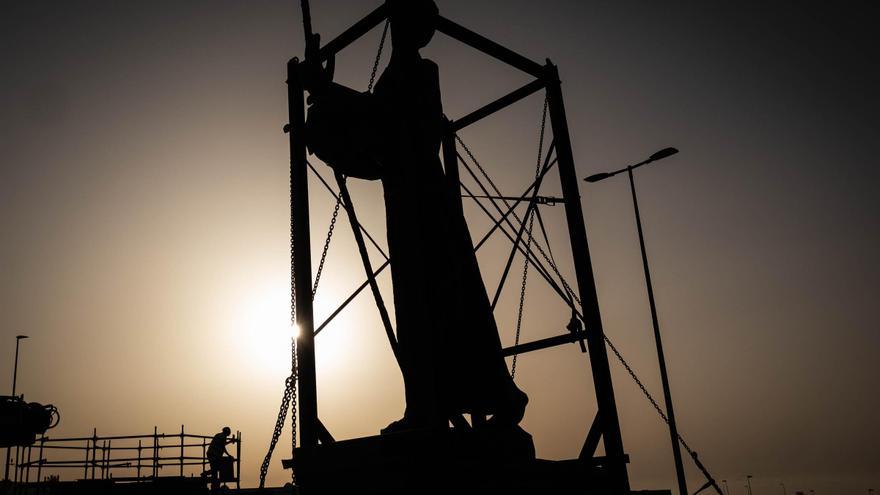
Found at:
[302, 260]
[40, 465]
[238, 461]
[586, 284]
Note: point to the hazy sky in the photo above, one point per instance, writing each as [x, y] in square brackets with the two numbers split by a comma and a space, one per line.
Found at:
[144, 220]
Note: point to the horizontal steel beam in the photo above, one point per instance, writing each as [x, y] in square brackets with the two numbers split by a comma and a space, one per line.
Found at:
[497, 105]
[489, 47]
[351, 34]
[537, 345]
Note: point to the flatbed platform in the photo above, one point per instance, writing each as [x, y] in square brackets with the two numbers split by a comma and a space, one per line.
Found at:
[487, 460]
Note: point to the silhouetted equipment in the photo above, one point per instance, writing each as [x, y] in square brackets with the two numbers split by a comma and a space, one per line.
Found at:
[471, 457]
[152, 463]
[21, 422]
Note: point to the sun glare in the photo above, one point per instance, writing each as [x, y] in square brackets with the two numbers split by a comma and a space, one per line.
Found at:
[263, 324]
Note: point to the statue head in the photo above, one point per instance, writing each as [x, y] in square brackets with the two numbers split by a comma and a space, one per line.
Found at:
[412, 22]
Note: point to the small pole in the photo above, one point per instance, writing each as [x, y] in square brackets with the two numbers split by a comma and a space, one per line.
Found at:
[139, 462]
[107, 459]
[27, 475]
[17, 463]
[204, 454]
[749, 483]
[238, 461]
[40, 465]
[104, 459]
[14, 377]
[181, 451]
[94, 450]
[86, 463]
[155, 452]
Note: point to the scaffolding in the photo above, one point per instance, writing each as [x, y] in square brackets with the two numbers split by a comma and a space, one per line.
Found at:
[122, 458]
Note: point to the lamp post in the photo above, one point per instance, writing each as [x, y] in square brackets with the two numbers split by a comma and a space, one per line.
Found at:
[18, 339]
[749, 483]
[726, 488]
[667, 395]
[784, 491]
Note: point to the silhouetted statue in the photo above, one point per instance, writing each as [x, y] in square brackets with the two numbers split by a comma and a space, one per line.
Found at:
[449, 347]
[218, 458]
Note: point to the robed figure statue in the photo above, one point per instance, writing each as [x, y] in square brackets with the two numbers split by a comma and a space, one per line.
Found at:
[449, 348]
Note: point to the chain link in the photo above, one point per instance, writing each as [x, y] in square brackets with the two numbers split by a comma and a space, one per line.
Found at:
[326, 245]
[525, 275]
[522, 298]
[289, 395]
[646, 393]
[378, 56]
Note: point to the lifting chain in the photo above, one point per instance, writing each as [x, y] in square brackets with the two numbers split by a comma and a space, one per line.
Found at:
[378, 56]
[289, 398]
[525, 275]
[326, 245]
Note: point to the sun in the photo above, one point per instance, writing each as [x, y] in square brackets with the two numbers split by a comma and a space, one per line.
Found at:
[265, 329]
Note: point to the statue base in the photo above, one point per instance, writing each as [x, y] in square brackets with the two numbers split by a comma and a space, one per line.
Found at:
[486, 460]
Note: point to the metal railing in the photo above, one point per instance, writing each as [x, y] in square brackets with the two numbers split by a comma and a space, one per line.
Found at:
[122, 458]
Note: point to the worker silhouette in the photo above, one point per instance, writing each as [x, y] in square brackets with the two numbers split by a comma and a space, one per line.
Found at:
[219, 459]
[449, 349]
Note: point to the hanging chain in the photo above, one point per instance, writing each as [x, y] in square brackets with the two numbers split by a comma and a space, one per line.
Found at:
[289, 398]
[525, 275]
[522, 298]
[378, 56]
[326, 245]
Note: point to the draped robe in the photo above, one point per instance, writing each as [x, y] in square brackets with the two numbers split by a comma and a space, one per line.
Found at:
[450, 351]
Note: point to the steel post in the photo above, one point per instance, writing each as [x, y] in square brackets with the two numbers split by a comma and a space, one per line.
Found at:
[586, 283]
[667, 395]
[302, 261]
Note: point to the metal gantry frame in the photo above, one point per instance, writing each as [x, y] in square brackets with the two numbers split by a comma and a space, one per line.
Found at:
[605, 426]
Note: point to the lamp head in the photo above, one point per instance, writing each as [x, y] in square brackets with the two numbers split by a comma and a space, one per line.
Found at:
[598, 177]
[19, 337]
[665, 152]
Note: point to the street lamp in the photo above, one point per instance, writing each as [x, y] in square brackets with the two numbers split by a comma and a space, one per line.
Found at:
[667, 395]
[782, 484]
[726, 488]
[18, 339]
[749, 483]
